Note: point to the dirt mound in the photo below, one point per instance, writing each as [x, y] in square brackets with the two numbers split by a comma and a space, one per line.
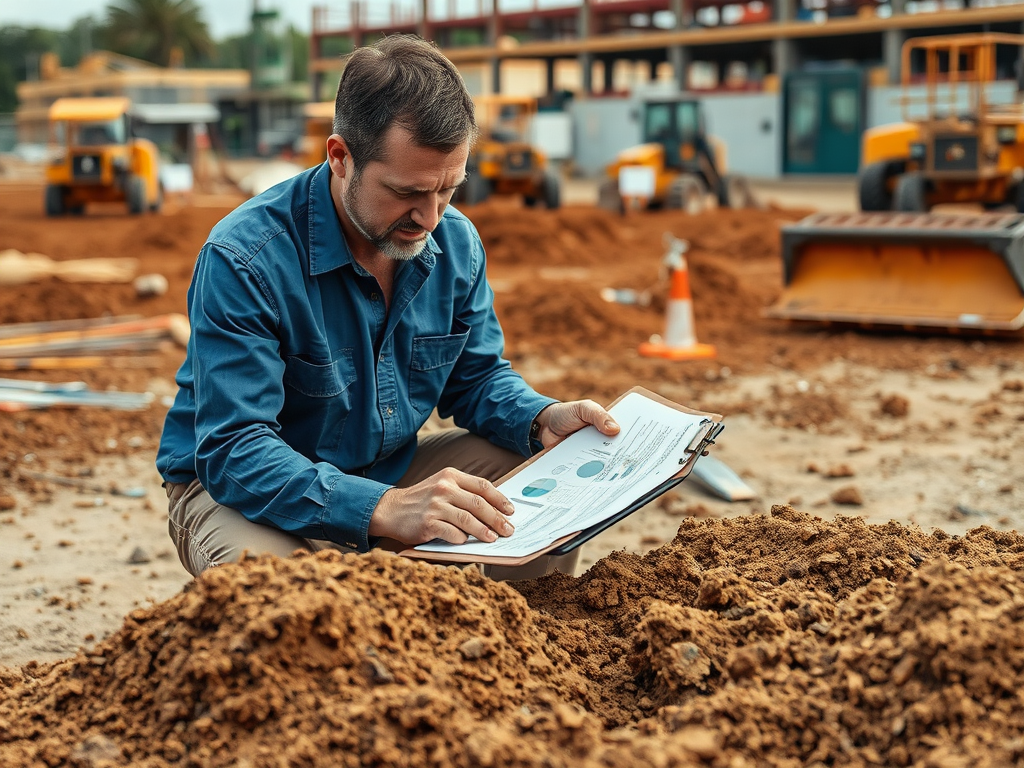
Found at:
[776, 640]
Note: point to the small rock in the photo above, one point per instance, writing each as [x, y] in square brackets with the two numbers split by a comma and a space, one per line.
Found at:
[138, 556]
[7, 502]
[895, 406]
[97, 750]
[474, 648]
[703, 742]
[840, 470]
[848, 495]
[150, 285]
[377, 672]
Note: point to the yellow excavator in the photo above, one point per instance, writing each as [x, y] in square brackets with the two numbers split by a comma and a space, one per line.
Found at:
[896, 264]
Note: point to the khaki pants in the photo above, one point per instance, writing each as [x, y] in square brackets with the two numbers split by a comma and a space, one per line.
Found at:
[207, 534]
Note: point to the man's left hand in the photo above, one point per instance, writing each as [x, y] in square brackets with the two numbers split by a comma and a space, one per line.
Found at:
[559, 420]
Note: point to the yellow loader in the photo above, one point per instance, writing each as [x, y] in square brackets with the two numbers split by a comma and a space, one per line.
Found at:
[100, 160]
[503, 161]
[676, 165]
[895, 264]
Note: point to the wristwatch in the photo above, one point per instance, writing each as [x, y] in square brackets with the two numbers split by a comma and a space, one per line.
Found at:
[535, 443]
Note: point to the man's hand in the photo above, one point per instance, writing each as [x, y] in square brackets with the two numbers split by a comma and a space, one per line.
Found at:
[559, 420]
[449, 505]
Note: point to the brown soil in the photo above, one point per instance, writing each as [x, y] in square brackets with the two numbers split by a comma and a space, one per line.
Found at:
[781, 639]
[771, 640]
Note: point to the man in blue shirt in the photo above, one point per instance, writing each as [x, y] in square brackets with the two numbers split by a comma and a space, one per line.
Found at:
[330, 316]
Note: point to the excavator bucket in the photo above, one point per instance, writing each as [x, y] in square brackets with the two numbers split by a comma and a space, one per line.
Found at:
[958, 272]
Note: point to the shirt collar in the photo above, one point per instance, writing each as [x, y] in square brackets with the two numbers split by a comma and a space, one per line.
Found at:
[328, 249]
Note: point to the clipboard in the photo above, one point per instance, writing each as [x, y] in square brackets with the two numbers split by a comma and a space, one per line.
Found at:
[710, 429]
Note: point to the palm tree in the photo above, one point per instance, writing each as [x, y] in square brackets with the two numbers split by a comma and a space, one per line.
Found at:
[152, 29]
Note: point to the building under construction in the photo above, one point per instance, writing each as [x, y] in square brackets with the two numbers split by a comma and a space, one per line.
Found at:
[788, 85]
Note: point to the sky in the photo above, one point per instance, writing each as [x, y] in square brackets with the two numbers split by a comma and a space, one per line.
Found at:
[226, 18]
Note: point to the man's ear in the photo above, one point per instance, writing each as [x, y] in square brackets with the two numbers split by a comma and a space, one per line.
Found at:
[337, 154]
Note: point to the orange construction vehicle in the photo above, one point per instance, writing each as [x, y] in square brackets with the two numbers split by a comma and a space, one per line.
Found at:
[953, 145]
[503, 161]
[956, 270]
[100, 160]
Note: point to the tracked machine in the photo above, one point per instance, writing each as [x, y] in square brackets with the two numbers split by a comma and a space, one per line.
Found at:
[896, 264]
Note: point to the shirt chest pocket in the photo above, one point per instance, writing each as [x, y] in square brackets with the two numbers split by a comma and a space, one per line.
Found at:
[433, 358]
[318, 399]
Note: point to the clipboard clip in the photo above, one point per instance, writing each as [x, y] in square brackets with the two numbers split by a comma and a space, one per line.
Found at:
[702, 440]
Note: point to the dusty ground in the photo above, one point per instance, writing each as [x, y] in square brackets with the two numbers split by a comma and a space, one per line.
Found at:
[922, 431]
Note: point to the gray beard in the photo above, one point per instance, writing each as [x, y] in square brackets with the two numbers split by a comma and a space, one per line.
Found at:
[382, 242]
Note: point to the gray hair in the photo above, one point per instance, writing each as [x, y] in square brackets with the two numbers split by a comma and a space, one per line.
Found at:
[401, 80]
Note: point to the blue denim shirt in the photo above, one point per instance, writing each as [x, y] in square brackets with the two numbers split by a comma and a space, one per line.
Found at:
[300, 396]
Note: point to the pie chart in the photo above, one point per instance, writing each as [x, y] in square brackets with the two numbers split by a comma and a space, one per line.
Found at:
[590, 469]
[539, 487]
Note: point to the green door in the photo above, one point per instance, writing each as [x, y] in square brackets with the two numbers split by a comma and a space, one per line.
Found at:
[824, 119]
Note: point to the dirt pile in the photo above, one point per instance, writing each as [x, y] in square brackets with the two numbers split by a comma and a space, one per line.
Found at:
[769, 640]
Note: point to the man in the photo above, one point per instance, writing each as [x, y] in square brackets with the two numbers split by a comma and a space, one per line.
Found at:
[330, 316]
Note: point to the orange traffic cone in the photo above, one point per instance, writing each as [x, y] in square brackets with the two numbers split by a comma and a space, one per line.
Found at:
[680, 339]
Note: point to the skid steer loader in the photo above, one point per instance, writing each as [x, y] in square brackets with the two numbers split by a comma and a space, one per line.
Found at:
[676, 165]
[954, 271]
[101, 161]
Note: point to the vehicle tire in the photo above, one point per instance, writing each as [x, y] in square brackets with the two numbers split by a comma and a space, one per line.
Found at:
[135, 193]
[608, 196]
[551, 190]
[725, 200]
[157, 204]
[687, 193]
[910, 194]
[873, 185]
[477, 188]
[1017, 197]
[55, 201]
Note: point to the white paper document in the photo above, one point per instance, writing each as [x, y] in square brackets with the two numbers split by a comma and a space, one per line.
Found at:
[589, 477]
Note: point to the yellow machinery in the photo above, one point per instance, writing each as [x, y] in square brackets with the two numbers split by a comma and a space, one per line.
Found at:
[676, 165]
[503, 161]
[319, 117]
[953, 146]
[957, 271]
[101, 161]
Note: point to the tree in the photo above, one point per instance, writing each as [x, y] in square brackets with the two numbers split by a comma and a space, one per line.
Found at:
[20, 49]
[151, 29]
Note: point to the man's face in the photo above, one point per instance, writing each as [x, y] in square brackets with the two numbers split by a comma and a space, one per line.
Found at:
[393, 203]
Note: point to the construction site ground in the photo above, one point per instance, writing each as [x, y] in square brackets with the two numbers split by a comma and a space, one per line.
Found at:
[828, 621]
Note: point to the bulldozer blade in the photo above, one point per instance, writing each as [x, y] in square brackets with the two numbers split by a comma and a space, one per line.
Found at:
[718, 478]
[958, 272]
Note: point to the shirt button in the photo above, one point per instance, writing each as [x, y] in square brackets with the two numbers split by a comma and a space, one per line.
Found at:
[381, 358]
[390, 411]
[374, 296]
